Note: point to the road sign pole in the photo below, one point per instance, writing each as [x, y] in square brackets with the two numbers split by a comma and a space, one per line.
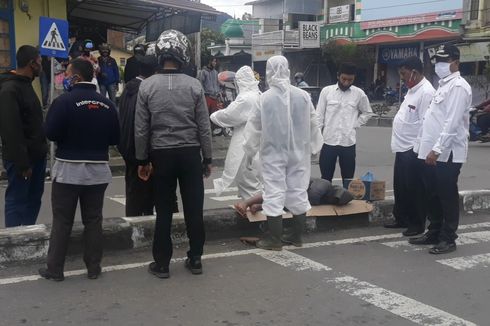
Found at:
[51, 98]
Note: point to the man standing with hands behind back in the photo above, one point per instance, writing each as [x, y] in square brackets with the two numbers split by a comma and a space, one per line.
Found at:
[444, 147]
[341, 109]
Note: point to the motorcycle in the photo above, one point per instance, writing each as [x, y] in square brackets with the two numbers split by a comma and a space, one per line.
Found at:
[475, 131]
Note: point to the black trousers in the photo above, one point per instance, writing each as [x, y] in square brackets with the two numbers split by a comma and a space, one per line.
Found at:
[64, 200]
[181, 165]
[139, 193]
[347, 161]
[410, 208]
[441, 184]
[484, 123]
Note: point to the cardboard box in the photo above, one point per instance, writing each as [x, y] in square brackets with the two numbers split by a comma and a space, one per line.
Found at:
[352, 208]
[366, 190]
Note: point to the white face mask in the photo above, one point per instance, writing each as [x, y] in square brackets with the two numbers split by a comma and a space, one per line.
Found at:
[442, 69]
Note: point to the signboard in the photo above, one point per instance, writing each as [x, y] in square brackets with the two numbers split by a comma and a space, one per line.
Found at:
[396, 54]
[263, 53]
[411, 20]
[339, 14]
[473, 52]
[53, 37]
[309, 35]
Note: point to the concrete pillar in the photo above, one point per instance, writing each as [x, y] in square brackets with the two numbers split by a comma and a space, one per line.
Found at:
[375, 72]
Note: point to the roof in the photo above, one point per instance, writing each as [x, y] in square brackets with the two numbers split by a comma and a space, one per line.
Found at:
[258, 2]
[131, 15]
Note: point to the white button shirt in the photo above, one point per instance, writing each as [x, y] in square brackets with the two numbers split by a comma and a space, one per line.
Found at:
[446, 123]
[340, 113]
[408, 120]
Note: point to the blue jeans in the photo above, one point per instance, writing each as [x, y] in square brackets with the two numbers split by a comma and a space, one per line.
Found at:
[109, 89]
[23, 197]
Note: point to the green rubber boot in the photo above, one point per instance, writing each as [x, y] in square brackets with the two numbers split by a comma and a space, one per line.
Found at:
[293, 235]
[273, 240]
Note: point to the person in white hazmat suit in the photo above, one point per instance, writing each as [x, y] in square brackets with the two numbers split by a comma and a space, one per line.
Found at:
[236, 116]
[284, 130]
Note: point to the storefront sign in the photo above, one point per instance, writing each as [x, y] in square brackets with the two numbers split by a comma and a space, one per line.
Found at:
[473, 52]
[396, 54]
[263, 53]
[309, 35]
[339, 14]
[411, 20]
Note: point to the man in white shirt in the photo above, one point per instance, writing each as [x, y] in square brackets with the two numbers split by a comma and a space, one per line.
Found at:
[444, 146]
[407, 178]
[341, 109]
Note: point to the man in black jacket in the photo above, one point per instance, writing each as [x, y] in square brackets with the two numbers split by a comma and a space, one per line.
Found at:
[139, 193]
[24, 145]
[131, 67]
[83, 124]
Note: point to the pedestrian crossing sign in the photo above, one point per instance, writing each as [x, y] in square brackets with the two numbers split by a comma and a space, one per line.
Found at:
[53, 37]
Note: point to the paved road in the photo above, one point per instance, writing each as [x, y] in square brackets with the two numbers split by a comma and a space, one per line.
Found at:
[373, 154]
[367, 276]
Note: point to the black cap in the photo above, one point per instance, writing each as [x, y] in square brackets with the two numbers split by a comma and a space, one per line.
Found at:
[447, 51]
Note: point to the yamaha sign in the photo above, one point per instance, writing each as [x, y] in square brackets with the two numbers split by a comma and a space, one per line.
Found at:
[396, 54]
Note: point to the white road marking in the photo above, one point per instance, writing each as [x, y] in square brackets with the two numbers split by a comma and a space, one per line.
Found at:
[351, 241]
[395, 303]
[121, 199]
[467, 262]
[226, 198]
[212, 191]
[291, 260]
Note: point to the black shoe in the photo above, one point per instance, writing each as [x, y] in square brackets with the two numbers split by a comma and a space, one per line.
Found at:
[426, 239]
[395, 225]
[94, 273]
[194, 265]
[44, 272]
[411, 232]
[443, 247]
[158, 271]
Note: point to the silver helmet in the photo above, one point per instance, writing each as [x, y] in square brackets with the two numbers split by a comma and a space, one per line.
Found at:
[172, 44]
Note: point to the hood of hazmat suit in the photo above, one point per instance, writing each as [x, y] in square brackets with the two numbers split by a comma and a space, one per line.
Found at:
[285, 132]
[236, 116]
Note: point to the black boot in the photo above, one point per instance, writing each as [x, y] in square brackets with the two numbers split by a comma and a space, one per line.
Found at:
[293, 235]
[273, 240]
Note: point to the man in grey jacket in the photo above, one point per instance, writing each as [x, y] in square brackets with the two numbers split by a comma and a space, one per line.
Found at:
[172, 130]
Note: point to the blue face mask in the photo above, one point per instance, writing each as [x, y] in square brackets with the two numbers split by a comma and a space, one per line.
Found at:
[68, 83]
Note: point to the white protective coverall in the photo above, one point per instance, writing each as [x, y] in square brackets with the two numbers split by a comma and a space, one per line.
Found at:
[236, 116]
[285, 132]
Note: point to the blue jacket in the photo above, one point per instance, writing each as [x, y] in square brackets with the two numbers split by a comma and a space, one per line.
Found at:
[83, 124]
[109, 71]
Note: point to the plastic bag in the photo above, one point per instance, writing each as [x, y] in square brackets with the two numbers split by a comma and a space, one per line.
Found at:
[368, 177]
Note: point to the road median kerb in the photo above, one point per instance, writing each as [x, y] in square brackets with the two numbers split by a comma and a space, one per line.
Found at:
[122, 233]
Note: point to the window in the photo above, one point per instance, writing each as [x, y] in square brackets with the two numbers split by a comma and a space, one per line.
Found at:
[474, 9]
[7, 47]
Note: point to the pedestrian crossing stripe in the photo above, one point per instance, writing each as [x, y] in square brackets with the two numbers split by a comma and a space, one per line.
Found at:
[53, 40]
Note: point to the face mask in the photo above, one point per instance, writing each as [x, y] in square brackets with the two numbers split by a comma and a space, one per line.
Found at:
[68, 83]
[442, 69]
[410, 82]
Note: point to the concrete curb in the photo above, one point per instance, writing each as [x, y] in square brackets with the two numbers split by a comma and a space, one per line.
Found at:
[122, 233]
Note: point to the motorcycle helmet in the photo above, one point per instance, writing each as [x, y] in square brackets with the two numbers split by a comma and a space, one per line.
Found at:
[104, 47]
[299, 75]
[151, 49]
[139, 49]
[172, 45]
[88, 46]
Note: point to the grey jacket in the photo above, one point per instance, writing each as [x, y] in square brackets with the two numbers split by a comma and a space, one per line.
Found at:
[171, 112]
[209, 81]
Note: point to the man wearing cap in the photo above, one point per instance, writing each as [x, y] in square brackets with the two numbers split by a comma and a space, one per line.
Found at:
[443, 144]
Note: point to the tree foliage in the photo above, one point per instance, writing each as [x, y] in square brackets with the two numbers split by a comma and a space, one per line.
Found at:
[208, 38]
[363, 56]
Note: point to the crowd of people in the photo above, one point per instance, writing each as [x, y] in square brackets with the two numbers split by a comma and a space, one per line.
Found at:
[162, 128]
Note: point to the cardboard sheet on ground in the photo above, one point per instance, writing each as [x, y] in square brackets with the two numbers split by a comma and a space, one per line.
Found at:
[354, 207]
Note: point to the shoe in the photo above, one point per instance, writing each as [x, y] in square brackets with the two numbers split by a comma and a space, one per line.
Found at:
[194, 265]
[443, 247]
[426, 239]
[293, 234]
[94, 273]
[395, 225]
[158, 271]
[44, 272]
[272, 241]
[411, 233]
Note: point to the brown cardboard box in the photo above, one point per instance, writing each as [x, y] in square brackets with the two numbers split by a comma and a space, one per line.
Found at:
[366, 190]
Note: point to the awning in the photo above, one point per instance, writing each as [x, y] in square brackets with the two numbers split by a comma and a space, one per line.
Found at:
[132, 15]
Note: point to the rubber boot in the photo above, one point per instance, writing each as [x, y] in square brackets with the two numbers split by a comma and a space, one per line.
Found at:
[273, 239]
[293, 234]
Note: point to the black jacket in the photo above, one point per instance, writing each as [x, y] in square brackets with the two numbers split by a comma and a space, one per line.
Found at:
[21, 122]
[127, 108]
[83, 124]
[131, 69]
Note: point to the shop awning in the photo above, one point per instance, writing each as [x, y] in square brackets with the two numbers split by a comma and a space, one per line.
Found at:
[132, 15]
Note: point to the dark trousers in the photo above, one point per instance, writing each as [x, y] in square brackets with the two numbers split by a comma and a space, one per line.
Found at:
[64, 199]
[347, 161]
[409, 209]
[483, 122]
[182, 165]
[139, 193]
[23, 197]
[441, 183]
